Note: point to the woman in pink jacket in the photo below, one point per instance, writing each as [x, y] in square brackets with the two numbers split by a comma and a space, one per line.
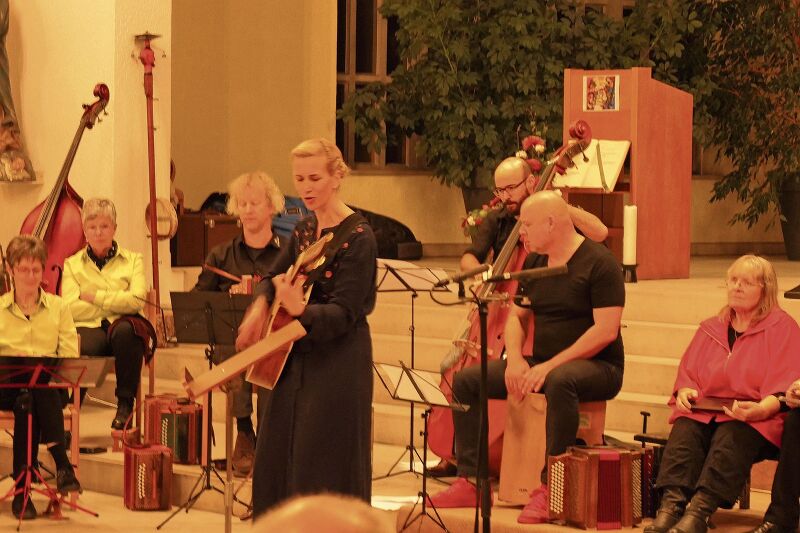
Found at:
[749, 356]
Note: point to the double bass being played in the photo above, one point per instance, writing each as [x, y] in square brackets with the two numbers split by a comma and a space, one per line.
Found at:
[577, 350]
[497, 237]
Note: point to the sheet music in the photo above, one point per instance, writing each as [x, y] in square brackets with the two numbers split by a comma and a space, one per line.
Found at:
[418, 278]
[587, 174]
[428, 383]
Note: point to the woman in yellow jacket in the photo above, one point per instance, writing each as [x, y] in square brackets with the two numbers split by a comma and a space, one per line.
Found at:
[103, 283]
[35, 328]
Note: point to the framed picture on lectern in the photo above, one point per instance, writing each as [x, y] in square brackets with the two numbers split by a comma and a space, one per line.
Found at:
[601, 93]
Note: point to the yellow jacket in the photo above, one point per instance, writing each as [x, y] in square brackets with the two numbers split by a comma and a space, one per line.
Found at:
[119, 288]
[48, 332]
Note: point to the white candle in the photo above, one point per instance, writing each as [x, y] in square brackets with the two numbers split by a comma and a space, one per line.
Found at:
[629, 235]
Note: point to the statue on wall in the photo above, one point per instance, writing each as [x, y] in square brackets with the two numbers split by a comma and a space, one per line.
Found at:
[14, 162]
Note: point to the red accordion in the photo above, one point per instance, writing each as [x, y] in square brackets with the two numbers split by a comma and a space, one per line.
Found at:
[596, 487]
[152, 415]
[148, 477]
[176, 423]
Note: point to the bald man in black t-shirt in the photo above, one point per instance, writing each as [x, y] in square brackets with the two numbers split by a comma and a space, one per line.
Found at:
[577, 348]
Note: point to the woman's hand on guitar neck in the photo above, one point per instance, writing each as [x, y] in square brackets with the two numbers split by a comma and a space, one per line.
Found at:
[290, 294]
[252, 324]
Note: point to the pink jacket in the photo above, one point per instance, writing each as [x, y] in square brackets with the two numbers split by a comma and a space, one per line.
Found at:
[764, 360]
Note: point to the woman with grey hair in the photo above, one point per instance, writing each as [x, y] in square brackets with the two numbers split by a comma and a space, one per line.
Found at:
[104, 283]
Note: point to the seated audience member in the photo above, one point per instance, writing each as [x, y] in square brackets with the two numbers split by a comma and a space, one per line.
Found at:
[255, 199]
[35, 328]
[784, 509]
[329, 513]
[105, 288]
[747, 353]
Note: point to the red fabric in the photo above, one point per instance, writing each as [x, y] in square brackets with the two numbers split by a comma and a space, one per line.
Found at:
[764, 360]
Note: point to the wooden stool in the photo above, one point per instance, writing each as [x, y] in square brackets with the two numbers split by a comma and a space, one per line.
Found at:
[524, 443]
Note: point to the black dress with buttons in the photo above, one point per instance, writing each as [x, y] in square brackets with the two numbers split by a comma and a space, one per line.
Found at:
[318, 427]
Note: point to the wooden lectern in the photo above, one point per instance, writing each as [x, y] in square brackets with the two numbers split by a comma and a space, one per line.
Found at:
[657, 120]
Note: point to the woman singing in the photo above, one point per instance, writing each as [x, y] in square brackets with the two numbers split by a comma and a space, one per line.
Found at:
[103, 283]
[35, 328]
[318, 427]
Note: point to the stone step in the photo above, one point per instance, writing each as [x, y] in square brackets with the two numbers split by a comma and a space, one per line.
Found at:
[391, 420]
[428, 352]
[623, 412]
[657, 339]
[432, 322]
[649, 374]
[687, 301]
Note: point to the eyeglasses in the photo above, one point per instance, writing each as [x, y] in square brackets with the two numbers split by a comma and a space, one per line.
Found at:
[745, 283]
[507, 189]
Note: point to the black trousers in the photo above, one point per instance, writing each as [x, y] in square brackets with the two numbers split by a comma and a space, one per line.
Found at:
[46, 410]
[582, 380]
[126, 348]
[713, 457]
[784, 509]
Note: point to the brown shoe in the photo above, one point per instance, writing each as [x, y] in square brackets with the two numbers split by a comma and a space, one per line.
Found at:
[243, 453]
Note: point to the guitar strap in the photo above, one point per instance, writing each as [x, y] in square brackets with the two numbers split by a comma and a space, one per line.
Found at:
[340, 236]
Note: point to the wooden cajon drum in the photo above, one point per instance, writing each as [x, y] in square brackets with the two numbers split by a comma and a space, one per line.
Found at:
[524, 443]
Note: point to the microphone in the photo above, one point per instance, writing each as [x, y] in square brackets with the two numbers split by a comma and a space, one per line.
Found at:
[461, 276]
[531, 273]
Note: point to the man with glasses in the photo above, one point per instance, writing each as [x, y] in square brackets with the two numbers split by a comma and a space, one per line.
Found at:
[577, 353]
[513, 183]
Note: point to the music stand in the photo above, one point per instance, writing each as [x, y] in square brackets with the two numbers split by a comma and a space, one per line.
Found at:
[418, 386]
[401, 276]
[212, 318]
[64, 373]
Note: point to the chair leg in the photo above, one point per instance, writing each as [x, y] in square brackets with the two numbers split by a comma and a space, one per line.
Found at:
[744, 497]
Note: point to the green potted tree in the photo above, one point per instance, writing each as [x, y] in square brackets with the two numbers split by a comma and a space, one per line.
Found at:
[472, 73]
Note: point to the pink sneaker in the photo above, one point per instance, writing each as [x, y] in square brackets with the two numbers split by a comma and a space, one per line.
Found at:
[461, 493]
[536, 511]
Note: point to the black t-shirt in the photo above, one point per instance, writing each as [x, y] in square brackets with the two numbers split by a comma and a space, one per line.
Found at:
[562, 305]
[235, 257]
[492, 234]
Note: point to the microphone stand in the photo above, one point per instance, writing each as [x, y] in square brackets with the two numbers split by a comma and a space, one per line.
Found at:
[484, 488]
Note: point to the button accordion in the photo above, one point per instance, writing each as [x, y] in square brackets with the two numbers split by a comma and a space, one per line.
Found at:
[148, 477]
[176, 423]
[596, 487]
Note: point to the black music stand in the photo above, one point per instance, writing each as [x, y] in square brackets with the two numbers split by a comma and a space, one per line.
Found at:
[212, 318]
[418, 386]
[67, 373]
[400, 276]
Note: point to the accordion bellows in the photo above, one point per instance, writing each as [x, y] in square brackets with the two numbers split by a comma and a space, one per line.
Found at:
[596, 487]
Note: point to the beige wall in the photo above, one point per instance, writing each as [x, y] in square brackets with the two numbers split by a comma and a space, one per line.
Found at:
[58, 52]
[251, 81]
[711, 233]
[431, 210]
